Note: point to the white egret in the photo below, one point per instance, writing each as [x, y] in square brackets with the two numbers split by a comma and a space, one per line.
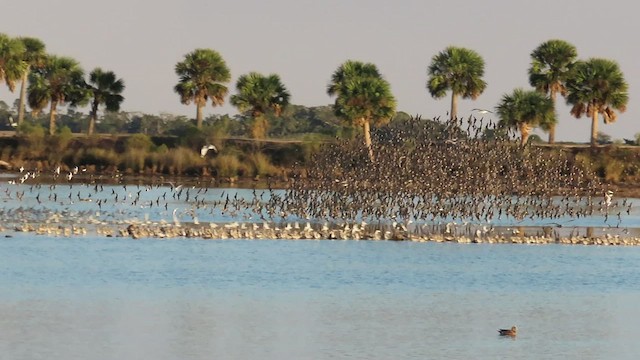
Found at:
[206, 148]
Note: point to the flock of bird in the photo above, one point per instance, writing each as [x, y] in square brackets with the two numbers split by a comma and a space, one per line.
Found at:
[426, 176]
[425, 171]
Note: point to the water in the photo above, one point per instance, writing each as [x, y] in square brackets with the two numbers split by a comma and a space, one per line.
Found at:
[111, 204]
[116, 298]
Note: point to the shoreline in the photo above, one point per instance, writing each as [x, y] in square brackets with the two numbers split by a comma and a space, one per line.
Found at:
[531, 235]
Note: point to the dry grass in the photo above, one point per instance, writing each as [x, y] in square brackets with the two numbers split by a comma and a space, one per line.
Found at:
[613, 170]
[261, 165]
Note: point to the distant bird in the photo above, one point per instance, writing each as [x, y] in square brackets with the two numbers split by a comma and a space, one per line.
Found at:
[206, 148]
[607, 198]
[482, 111]
[508, 332]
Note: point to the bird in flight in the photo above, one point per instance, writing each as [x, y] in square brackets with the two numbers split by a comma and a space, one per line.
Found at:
[206, 148]
[482, 111]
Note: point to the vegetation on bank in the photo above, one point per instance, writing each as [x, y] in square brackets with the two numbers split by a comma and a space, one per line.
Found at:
[239, 157]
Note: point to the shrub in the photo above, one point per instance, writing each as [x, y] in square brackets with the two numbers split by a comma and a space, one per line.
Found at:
[139, 142]
[98, 157]
[181, 159]
[613, 170]
[227, 165]
[261, 165]
[134, 159]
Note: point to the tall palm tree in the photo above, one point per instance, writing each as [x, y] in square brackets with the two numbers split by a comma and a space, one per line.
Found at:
[597, 86]
[33, 56]
[363, 97]
[350, 69]
[105, 89]
[11, 64]
[259, 95]
[203, 74]
[551, 64]
[459, 70]
[59, 81]
[525, 110]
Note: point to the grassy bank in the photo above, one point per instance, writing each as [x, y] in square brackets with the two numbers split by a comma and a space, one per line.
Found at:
[241, 159]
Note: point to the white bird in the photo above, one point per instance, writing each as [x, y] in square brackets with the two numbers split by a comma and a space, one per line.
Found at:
[176, 221]
[483, 111]
[206, 148]
[70, 176]
[607, 197]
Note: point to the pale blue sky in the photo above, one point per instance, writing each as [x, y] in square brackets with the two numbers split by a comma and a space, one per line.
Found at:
[305, 41]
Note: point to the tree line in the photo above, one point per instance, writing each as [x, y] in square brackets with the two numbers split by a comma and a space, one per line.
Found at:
[363, 98]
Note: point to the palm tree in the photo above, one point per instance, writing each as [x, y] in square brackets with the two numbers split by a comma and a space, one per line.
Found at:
[363, 97]
[259, 95]
[525, 110]
[11, 64]
[59, 81]
[105, 89]
[350, 69]
[551, 65]
[597, 86]
[203, 74]
[33, 56]
[459, 70]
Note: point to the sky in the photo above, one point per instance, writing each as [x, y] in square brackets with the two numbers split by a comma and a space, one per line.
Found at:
[304, 42]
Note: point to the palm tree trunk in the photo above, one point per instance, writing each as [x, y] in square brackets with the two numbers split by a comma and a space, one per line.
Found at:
[199, 115]
[52, 118]
[524, 133]
[367, 138]
[93, 116]
[594, 128]
[552, 129]
[23, 97]
[454, 106]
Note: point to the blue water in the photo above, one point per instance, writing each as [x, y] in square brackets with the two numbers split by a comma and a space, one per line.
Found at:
[116, 298]
[113, 203]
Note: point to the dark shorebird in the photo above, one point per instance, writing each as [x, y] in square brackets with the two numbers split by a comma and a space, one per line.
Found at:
[508, 332]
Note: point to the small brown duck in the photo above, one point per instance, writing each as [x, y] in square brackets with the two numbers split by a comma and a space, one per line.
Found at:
[508, 332]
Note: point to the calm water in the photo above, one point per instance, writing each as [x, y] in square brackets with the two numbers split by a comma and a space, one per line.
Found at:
[100, 298]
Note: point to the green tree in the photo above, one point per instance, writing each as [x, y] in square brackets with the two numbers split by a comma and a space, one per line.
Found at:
[459, 70]
[203, 74]
[11, 64]
[105, 89]
[363, 97]
[597, 86]
[525, 110]
[59, 81]
[260, 95]
[34, 56]
[551, 64]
